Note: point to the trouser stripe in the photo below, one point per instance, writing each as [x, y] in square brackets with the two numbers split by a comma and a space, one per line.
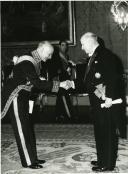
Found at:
[15, 106]
[66, 106]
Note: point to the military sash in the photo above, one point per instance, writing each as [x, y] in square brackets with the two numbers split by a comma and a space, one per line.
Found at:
[32, 60]
[12, 96]
[20, 87]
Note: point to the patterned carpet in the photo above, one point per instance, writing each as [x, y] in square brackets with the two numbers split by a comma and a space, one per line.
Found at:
[68, 149]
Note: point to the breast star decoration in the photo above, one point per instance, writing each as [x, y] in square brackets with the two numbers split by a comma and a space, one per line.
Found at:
[97, 75]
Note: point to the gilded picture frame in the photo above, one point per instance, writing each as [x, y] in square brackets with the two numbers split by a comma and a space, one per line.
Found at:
[26, 23]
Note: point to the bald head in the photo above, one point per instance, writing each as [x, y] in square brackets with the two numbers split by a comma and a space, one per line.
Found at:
[45, 44]
[89, 42]
[89, 35]
[45, 50]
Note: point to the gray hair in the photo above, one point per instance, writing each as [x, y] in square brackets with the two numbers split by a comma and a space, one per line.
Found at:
[89, 35]
[45, 43]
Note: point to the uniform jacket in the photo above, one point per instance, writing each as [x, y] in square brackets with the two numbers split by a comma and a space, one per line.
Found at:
[25, 77]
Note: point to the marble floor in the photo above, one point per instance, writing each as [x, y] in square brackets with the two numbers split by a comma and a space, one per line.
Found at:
[68, 149]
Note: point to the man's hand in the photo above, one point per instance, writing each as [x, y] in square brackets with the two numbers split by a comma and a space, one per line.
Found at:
[116, 101]
[64, 85]
[108, 102]
[67, 84]
[70, 84]
[100, 91]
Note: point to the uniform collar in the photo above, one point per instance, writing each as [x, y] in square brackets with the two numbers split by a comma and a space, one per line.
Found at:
[36, 56]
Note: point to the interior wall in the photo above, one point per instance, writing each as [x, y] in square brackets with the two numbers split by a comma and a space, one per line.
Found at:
[91, 16]
[95, 16]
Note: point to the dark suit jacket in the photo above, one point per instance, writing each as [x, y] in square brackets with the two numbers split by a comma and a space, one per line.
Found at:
[107, 65]
[110, 69]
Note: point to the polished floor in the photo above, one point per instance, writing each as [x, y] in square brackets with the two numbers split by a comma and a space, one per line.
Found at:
[67, 148]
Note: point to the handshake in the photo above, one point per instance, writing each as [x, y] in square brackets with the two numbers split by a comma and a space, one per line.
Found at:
[67, 84]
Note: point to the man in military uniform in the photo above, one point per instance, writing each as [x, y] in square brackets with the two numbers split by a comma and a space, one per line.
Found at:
[16, 95]
[102, 81]
[63, 108]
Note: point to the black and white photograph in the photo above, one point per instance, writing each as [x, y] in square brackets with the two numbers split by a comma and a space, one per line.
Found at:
[64, 87]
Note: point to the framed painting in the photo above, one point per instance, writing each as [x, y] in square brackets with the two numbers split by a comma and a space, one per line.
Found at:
[26, 23]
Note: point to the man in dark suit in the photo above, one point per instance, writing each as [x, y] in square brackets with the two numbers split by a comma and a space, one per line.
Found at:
[102, 82]
[16, 95]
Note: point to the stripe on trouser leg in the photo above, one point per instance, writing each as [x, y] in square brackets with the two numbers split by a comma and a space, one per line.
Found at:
[15, 106]
[66, 106]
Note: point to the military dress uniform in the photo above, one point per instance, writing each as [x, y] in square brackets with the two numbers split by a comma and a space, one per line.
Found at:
[102, 71]
[15, 99]
[63, 101]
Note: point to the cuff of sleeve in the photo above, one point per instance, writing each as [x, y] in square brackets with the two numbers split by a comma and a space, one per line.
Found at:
[55, 87]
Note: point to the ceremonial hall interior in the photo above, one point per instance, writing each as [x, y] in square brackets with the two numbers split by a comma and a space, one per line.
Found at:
[66, 142]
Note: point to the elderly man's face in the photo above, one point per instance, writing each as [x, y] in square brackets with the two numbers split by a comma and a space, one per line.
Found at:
[86, 45]
[47, 54]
